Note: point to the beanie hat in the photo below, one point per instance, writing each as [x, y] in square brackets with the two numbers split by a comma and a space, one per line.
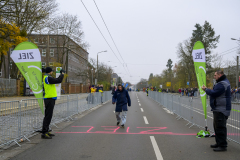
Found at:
[48, 70]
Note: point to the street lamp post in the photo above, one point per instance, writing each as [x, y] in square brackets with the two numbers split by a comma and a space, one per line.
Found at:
[97, 61]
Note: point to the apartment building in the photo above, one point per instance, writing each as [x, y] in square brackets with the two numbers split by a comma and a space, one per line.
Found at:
[60, 49]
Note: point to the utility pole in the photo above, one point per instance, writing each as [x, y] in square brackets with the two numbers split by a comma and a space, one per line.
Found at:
[237, 76]
[92, 76]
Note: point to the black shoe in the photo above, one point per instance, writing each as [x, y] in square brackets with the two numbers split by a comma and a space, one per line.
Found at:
[220, 149]
[214, 146]
[118, 123]
[122, 126]
[46, 136]
[50, 134]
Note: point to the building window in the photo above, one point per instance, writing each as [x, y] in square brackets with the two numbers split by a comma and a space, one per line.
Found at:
[51, 52]
[50, 63]
[1, 73]
[43, 64]
[44, 40]
[36, 40]
[52, 40]
[44, 52]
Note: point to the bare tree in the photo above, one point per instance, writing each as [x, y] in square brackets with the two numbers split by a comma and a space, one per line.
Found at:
[68, 25]
[104, 72]
[28, 14]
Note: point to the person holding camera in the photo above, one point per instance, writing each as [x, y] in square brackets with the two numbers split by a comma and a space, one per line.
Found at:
[49, 99]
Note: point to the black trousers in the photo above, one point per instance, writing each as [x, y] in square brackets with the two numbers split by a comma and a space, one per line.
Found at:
[49, 106]
[220, 129]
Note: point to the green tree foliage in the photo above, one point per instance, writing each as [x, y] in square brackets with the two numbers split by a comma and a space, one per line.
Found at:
[150, 76]
[183, 71]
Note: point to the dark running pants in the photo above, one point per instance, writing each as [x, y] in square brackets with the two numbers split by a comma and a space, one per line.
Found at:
[220, 129]
[49, 106]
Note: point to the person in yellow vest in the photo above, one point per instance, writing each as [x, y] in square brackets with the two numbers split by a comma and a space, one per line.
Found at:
[147, 90]
[91, 96]
[101, 91]
[49, 100]
[93, 89]
[151, 88]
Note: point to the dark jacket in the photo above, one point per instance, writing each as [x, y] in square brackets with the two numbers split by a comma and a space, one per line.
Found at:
[51, 80]
[122, 98]
[220, 96]
[97, 90]
[100, 88]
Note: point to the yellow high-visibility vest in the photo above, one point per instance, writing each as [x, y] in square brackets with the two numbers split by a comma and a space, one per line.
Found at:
[93, 90]
[50, 89]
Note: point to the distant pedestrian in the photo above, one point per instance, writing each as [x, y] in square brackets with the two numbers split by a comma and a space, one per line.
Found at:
[93, 89]
[122, 98]
[192, 92]
[182, 90]
[179, 90]
[220, 102]
[100, 89]
[97, 88]
[186, 92]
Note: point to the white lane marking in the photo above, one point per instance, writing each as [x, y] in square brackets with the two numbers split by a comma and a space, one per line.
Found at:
[139, 104]
[142, 110]
[145, 119]
[156, 148]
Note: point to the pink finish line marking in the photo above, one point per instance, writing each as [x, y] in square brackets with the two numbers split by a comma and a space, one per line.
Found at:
[114, 129]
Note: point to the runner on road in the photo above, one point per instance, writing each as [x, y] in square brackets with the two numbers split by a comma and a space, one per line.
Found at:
[122, 97]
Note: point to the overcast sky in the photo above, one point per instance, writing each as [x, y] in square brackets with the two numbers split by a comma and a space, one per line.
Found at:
[148, 31]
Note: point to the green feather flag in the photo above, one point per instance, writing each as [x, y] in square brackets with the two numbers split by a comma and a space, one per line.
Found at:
[28, 60]
[200, 69]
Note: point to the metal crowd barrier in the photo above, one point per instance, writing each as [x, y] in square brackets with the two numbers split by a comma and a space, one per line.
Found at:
[20, 119]
[191, 110]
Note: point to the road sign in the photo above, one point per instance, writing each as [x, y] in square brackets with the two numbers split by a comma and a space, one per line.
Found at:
[168, 84]
[188, 83]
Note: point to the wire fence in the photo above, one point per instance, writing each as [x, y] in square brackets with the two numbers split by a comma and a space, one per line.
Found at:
[8, 87]
[191, 110]
[20, 119]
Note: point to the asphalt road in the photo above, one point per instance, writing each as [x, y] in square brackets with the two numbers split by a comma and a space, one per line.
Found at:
[150, 133]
